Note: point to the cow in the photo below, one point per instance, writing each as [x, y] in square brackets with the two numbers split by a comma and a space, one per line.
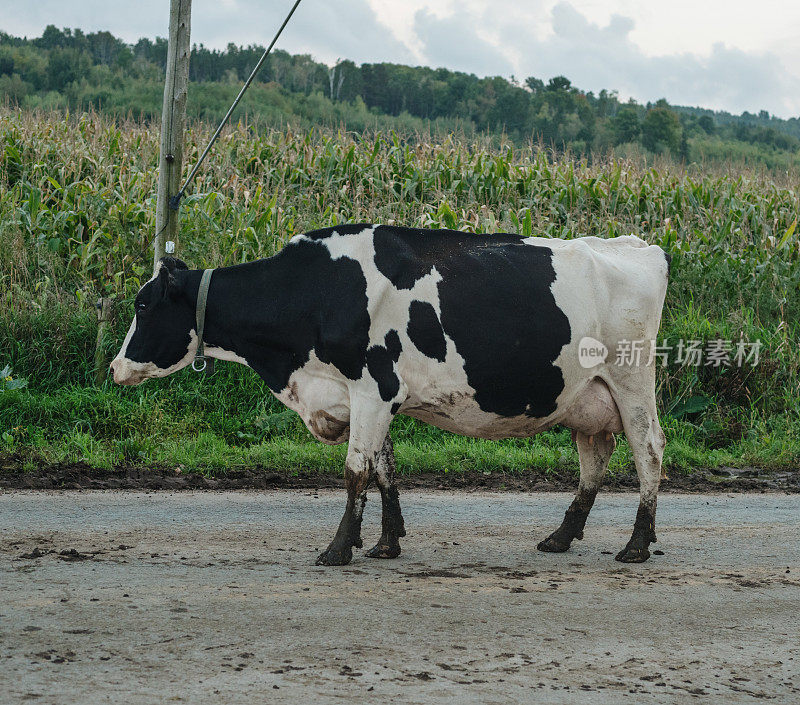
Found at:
[490, 336]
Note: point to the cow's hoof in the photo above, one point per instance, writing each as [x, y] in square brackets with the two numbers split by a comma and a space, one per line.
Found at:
[381, 550]
[554, 544]
[335, 556]
[633, 554]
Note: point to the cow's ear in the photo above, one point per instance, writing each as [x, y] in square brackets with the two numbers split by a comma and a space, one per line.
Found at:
[169, 283]
[170, 277]
[172, 263]
[162, 281]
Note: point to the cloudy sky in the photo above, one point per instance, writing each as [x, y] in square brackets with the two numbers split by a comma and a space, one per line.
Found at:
[722, 54]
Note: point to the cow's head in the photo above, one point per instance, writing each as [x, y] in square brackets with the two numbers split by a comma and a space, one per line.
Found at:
[162, 337]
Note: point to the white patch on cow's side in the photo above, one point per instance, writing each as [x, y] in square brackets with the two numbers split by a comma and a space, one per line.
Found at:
[129, 372]
[428, 386]
[388, 306]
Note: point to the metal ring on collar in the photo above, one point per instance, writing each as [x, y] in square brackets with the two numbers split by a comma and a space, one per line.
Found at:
[204, 362]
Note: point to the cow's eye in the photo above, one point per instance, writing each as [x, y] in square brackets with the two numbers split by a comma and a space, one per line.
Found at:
[141, 306]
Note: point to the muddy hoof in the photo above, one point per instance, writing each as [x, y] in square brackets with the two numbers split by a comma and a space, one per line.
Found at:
[335, 556]
[633, 554]
[553, 544]
[383, 551]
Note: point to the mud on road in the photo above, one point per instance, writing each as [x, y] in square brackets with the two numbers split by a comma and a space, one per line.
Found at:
[79, 476]
[208, 597]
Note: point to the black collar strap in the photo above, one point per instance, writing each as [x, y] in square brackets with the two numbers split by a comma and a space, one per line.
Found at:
[200, 362]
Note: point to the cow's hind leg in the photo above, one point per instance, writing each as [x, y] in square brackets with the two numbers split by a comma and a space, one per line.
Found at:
[647, 442]
[646, 439]
[594, 453]
[369, 425]
[392, 525]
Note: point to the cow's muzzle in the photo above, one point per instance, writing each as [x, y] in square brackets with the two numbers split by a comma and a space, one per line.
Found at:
[125, 376]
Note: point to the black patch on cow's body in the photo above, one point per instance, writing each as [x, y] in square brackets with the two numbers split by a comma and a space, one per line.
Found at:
[425, 330]
[405, 255]
[349, 229]
[496, 305]
[274, 312]
[380, 364]
[393, 345]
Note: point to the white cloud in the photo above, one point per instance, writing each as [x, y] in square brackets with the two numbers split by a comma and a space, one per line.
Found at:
[596, 56]
[454, 42]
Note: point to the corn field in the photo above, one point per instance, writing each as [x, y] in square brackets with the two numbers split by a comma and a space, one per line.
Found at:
[83, 189]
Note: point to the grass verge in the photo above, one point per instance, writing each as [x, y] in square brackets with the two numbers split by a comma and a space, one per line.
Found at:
[107, 427]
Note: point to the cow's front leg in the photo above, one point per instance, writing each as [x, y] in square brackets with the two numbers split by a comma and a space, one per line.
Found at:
[392, 525]
[340, 551]
[369, 425]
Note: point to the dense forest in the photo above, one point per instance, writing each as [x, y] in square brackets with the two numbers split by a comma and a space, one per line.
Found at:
[70, 69]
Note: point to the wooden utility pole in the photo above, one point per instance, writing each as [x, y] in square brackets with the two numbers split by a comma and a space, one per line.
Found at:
[173, 122]
[103, 320]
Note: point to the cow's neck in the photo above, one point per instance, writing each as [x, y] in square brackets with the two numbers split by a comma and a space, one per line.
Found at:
[253, 314]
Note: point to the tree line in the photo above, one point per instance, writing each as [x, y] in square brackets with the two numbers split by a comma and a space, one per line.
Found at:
[70, 69]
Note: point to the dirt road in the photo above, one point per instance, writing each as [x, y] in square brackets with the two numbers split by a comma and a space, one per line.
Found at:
[109, 597]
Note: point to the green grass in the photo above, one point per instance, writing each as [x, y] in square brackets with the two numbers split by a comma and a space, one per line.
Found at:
[104, 428]
[76, 204]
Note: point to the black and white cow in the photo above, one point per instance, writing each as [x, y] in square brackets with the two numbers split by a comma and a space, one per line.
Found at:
[476, 334]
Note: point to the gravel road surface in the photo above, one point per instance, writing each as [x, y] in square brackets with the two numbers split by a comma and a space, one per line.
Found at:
[213, 597]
